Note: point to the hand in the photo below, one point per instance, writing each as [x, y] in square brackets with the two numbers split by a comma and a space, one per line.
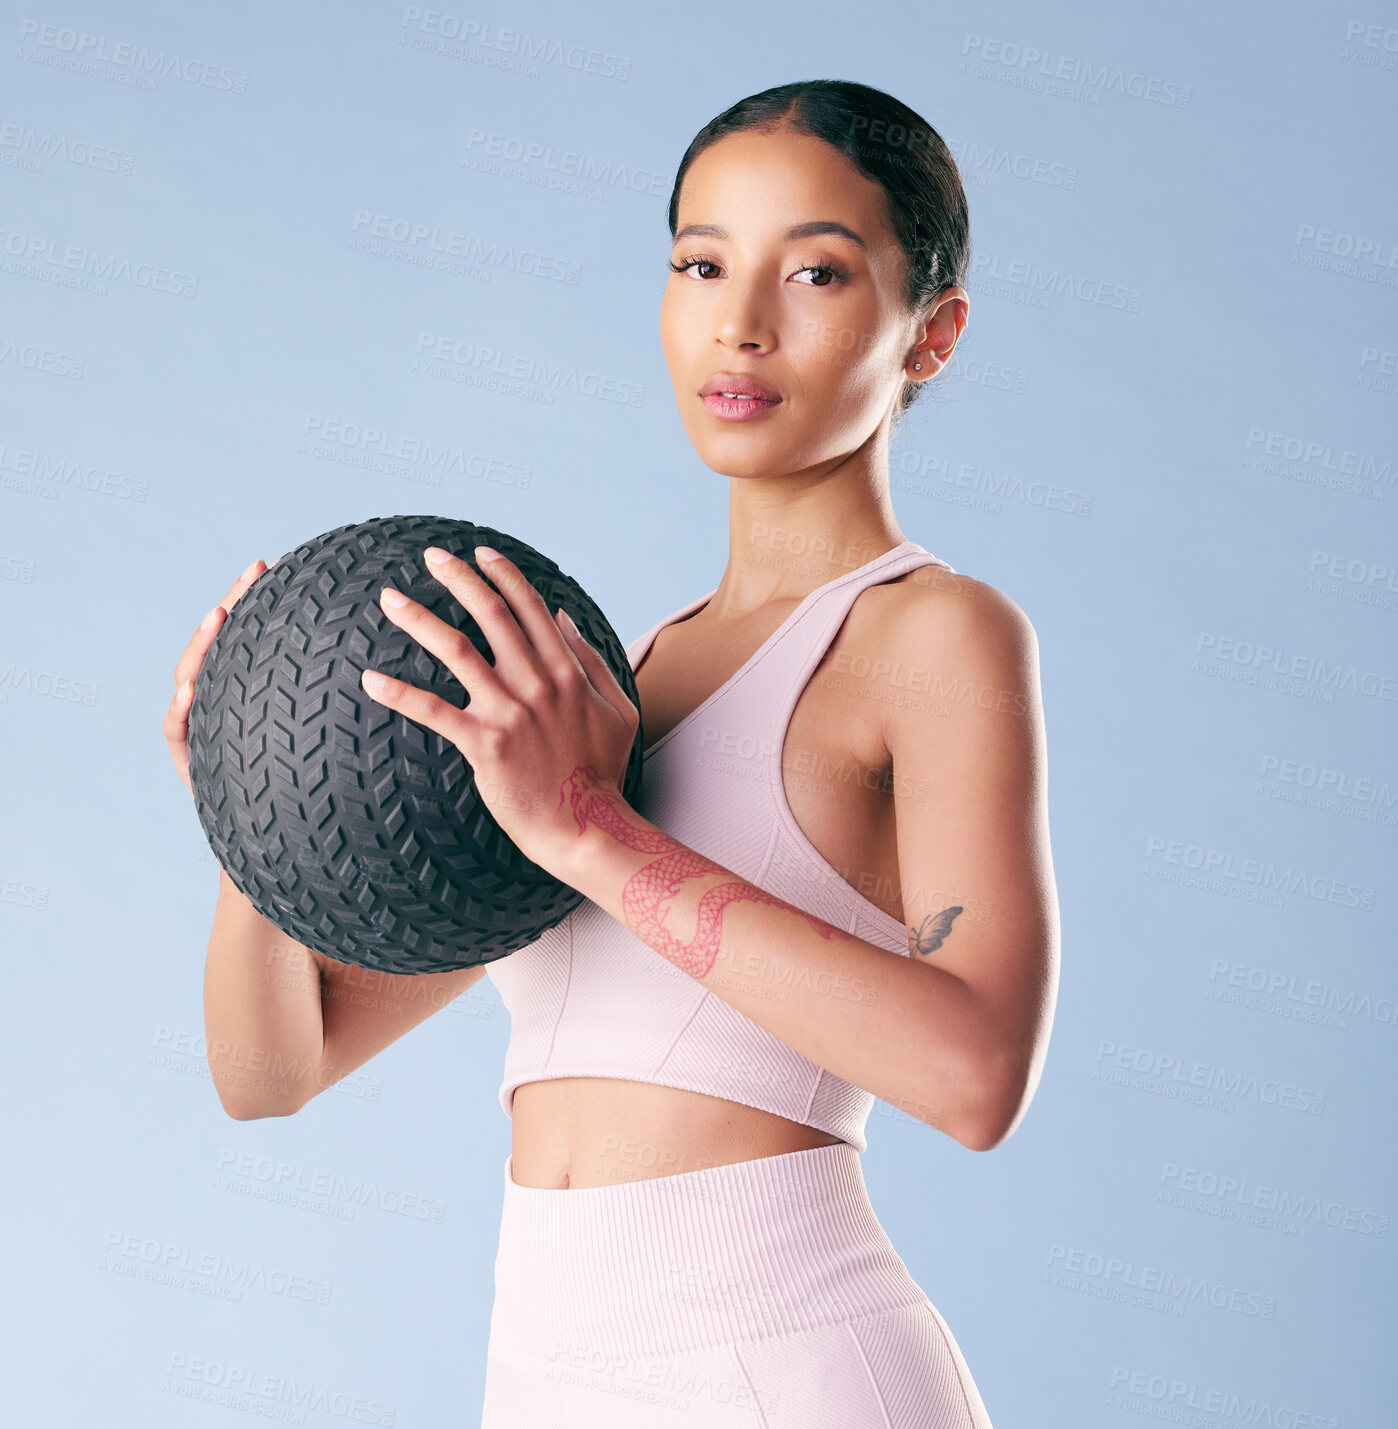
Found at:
[544, 728]
[176, 724]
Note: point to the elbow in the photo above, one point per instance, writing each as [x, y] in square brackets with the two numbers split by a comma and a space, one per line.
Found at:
[249, 1113]
[242, 1113]
[249, 1110]
[988, 1133]
[997, 1104]
[251, 1098]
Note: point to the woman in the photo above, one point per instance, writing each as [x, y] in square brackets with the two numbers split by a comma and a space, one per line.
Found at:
[835, 883]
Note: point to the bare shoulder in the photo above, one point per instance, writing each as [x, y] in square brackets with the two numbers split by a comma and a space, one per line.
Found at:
[952, 647]
[936, 611]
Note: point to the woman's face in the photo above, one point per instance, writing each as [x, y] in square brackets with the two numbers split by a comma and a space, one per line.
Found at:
[817, 317]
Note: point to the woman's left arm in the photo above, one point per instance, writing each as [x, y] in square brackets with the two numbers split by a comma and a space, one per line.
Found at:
[956, 1032]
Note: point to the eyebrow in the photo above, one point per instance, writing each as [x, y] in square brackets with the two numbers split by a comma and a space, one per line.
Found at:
[797, 230]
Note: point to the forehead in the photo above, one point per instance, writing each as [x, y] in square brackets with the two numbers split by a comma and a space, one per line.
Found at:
[754, 185]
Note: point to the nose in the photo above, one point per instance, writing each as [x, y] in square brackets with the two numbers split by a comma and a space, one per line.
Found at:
[745, 317]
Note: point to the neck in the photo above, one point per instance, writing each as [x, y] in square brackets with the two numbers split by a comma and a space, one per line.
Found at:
[788, 535]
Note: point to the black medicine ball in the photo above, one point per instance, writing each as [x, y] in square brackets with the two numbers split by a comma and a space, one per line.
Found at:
[354, 829]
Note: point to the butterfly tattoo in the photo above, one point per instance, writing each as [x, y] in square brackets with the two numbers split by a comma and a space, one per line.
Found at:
[932, 932]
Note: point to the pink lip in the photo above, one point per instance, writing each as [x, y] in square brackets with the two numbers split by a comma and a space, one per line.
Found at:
[737, 409]
[738, 385]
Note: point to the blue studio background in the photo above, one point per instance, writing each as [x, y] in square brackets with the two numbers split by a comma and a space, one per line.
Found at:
[232, 242]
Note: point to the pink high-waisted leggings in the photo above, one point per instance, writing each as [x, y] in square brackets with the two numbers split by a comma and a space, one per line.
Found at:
[761, 1293]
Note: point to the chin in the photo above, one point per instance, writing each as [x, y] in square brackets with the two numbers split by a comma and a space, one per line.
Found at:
[740, 459]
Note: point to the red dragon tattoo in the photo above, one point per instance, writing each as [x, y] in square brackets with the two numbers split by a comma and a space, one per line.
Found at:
[648, 894]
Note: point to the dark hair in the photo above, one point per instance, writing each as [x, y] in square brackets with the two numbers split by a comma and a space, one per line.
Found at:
[887, 142]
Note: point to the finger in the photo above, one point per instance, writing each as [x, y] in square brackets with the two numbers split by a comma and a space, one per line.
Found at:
[524, 627]
[175, 725]
[193, 655]
[175, 728]
[242, 583]
[595, 667]
[455, 649]
[240, 586]
[421, 706]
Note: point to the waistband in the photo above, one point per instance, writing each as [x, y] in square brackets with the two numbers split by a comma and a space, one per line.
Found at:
[673, 1264]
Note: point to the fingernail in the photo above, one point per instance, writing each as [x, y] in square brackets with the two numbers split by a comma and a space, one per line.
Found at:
[437, 555]
[389, 596]
[569, 620]
[208, 621]
[374, 680]
[485, 553]
[249, 569]
[186, 689]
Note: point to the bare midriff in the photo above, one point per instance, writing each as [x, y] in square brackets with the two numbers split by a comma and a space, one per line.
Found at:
[598, 1131]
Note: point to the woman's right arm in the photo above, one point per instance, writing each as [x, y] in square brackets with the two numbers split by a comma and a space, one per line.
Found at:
[282, 1022]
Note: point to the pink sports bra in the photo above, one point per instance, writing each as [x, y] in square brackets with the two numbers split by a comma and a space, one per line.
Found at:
[590, 999]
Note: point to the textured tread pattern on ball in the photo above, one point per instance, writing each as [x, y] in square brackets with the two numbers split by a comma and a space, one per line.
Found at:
[355, 830]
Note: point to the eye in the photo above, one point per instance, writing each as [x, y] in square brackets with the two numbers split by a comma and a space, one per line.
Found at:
[693, 263]
[837, 274]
